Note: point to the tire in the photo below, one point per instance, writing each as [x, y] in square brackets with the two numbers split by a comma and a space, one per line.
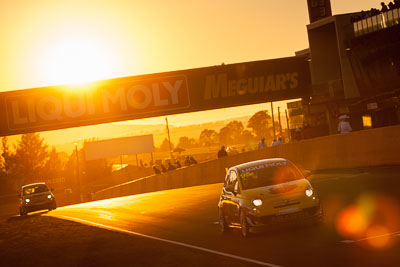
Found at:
[22, 212]
[223, 227]
[245, 228]
[53, 206]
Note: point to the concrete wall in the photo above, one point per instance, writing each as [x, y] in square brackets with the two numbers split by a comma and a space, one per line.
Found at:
[373, 147]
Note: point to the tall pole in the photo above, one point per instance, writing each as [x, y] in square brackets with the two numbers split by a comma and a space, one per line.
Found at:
[169, 138]
[77, 172]
[288, 127]
[273, 120]
[279, 119]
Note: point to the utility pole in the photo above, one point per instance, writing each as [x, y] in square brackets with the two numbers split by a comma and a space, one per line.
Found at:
[77, 172]
[279, 119]
[288, 127]
[273, 120]
[169, 138]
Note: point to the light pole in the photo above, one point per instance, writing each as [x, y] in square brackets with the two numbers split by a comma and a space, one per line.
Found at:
[169, 139]
[273, 120]
[77, 172]
[288, 126]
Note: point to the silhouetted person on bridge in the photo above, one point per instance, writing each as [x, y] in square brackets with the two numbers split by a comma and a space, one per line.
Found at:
[192, 160]
[156, 170]
[344, 124]
[222, 152]
[384, 7]
[262, 143]
[178, 164]
[170, 166]
[163, 169]
[187, 161]
[274, 142]
[277, 142]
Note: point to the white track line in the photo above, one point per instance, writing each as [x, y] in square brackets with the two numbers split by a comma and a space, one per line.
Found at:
[164, 240]
[368, 238]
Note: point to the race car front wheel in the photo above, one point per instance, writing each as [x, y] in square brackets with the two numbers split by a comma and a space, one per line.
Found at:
[244, 224]
[223, 227]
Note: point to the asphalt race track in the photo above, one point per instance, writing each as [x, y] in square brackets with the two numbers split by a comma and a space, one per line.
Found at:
[361, 228]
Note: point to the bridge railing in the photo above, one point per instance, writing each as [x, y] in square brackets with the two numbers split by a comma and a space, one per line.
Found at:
[378, 22]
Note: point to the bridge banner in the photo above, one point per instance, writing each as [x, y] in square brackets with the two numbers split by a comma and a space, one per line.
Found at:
[131, 145]
[159, 94]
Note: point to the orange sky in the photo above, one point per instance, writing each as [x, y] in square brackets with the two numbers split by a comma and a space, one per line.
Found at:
[48, 42]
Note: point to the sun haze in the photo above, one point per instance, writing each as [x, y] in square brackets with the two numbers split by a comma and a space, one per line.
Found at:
[46, 42]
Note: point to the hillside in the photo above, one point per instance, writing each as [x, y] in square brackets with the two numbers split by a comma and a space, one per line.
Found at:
[64, 139]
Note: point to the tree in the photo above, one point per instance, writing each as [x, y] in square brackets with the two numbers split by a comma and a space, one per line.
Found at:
[165, 145]
[261, 123]
[208, 137]
[55, 164]
[8, 165]
[72, 166]
[225, 136]
[247, 137]
[31, 155]
[186, 142]
[236, 128]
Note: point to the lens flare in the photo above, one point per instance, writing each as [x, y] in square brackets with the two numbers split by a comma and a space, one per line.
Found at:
[284, 174]
[351, 222]
[372, 219]
[378, 236]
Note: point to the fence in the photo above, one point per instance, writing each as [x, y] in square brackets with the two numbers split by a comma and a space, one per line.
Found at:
[377, 22]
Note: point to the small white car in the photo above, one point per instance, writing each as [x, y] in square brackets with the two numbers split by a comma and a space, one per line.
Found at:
[36, 197]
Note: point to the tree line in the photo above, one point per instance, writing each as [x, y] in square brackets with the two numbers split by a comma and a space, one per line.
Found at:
[259, 125]
[32, 160]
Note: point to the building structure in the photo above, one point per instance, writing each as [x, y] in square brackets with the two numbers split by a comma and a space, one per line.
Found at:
[355, 70]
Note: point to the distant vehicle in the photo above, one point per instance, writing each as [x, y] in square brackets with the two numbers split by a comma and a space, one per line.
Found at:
[266, 192]
[36, 197]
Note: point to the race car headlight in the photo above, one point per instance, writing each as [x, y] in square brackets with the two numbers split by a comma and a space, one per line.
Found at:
[49, 196]
[309, 192]
[257, 202]
[27, 200]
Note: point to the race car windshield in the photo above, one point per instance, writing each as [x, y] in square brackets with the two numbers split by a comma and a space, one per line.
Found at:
[268, 174]
[35, 189]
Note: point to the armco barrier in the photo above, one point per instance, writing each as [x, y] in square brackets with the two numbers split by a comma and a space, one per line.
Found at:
[373, 147]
